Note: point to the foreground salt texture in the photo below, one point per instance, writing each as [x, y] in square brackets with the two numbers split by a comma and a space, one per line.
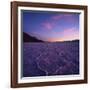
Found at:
[47, 59]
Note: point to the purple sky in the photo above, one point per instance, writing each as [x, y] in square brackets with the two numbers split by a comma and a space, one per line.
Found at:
[51, 26]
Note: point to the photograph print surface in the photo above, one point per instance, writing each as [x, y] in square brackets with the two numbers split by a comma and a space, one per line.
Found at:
[50, 44]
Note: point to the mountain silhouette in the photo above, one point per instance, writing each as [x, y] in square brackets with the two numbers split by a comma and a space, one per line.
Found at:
[28, 38]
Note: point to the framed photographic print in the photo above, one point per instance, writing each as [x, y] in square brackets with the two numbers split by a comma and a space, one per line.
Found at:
[48, 44]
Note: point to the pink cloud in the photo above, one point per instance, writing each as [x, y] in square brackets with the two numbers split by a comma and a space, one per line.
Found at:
[66, 35]
[70, 34]
[61, 16]
[48, 25]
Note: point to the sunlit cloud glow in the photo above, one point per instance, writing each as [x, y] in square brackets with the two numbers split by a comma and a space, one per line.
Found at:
[67, 35]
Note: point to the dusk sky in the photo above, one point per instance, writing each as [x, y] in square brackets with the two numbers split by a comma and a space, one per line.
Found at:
[51, 26]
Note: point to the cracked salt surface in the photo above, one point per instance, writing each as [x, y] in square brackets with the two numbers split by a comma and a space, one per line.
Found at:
[47, 59]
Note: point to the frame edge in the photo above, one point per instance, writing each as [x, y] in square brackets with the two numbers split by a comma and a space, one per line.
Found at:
[14, 83]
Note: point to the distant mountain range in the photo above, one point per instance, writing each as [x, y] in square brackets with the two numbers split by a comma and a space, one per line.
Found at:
[28, 38]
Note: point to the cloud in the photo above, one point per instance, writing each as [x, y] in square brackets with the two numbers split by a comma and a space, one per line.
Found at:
[54, 20]
[66, 35]
[61, 16]
[70, 34]
[48, 25]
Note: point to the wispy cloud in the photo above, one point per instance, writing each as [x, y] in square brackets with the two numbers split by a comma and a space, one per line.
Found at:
[48, 25]
[70, 34]
[66, 35]
[61, 16]
[56, 17]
